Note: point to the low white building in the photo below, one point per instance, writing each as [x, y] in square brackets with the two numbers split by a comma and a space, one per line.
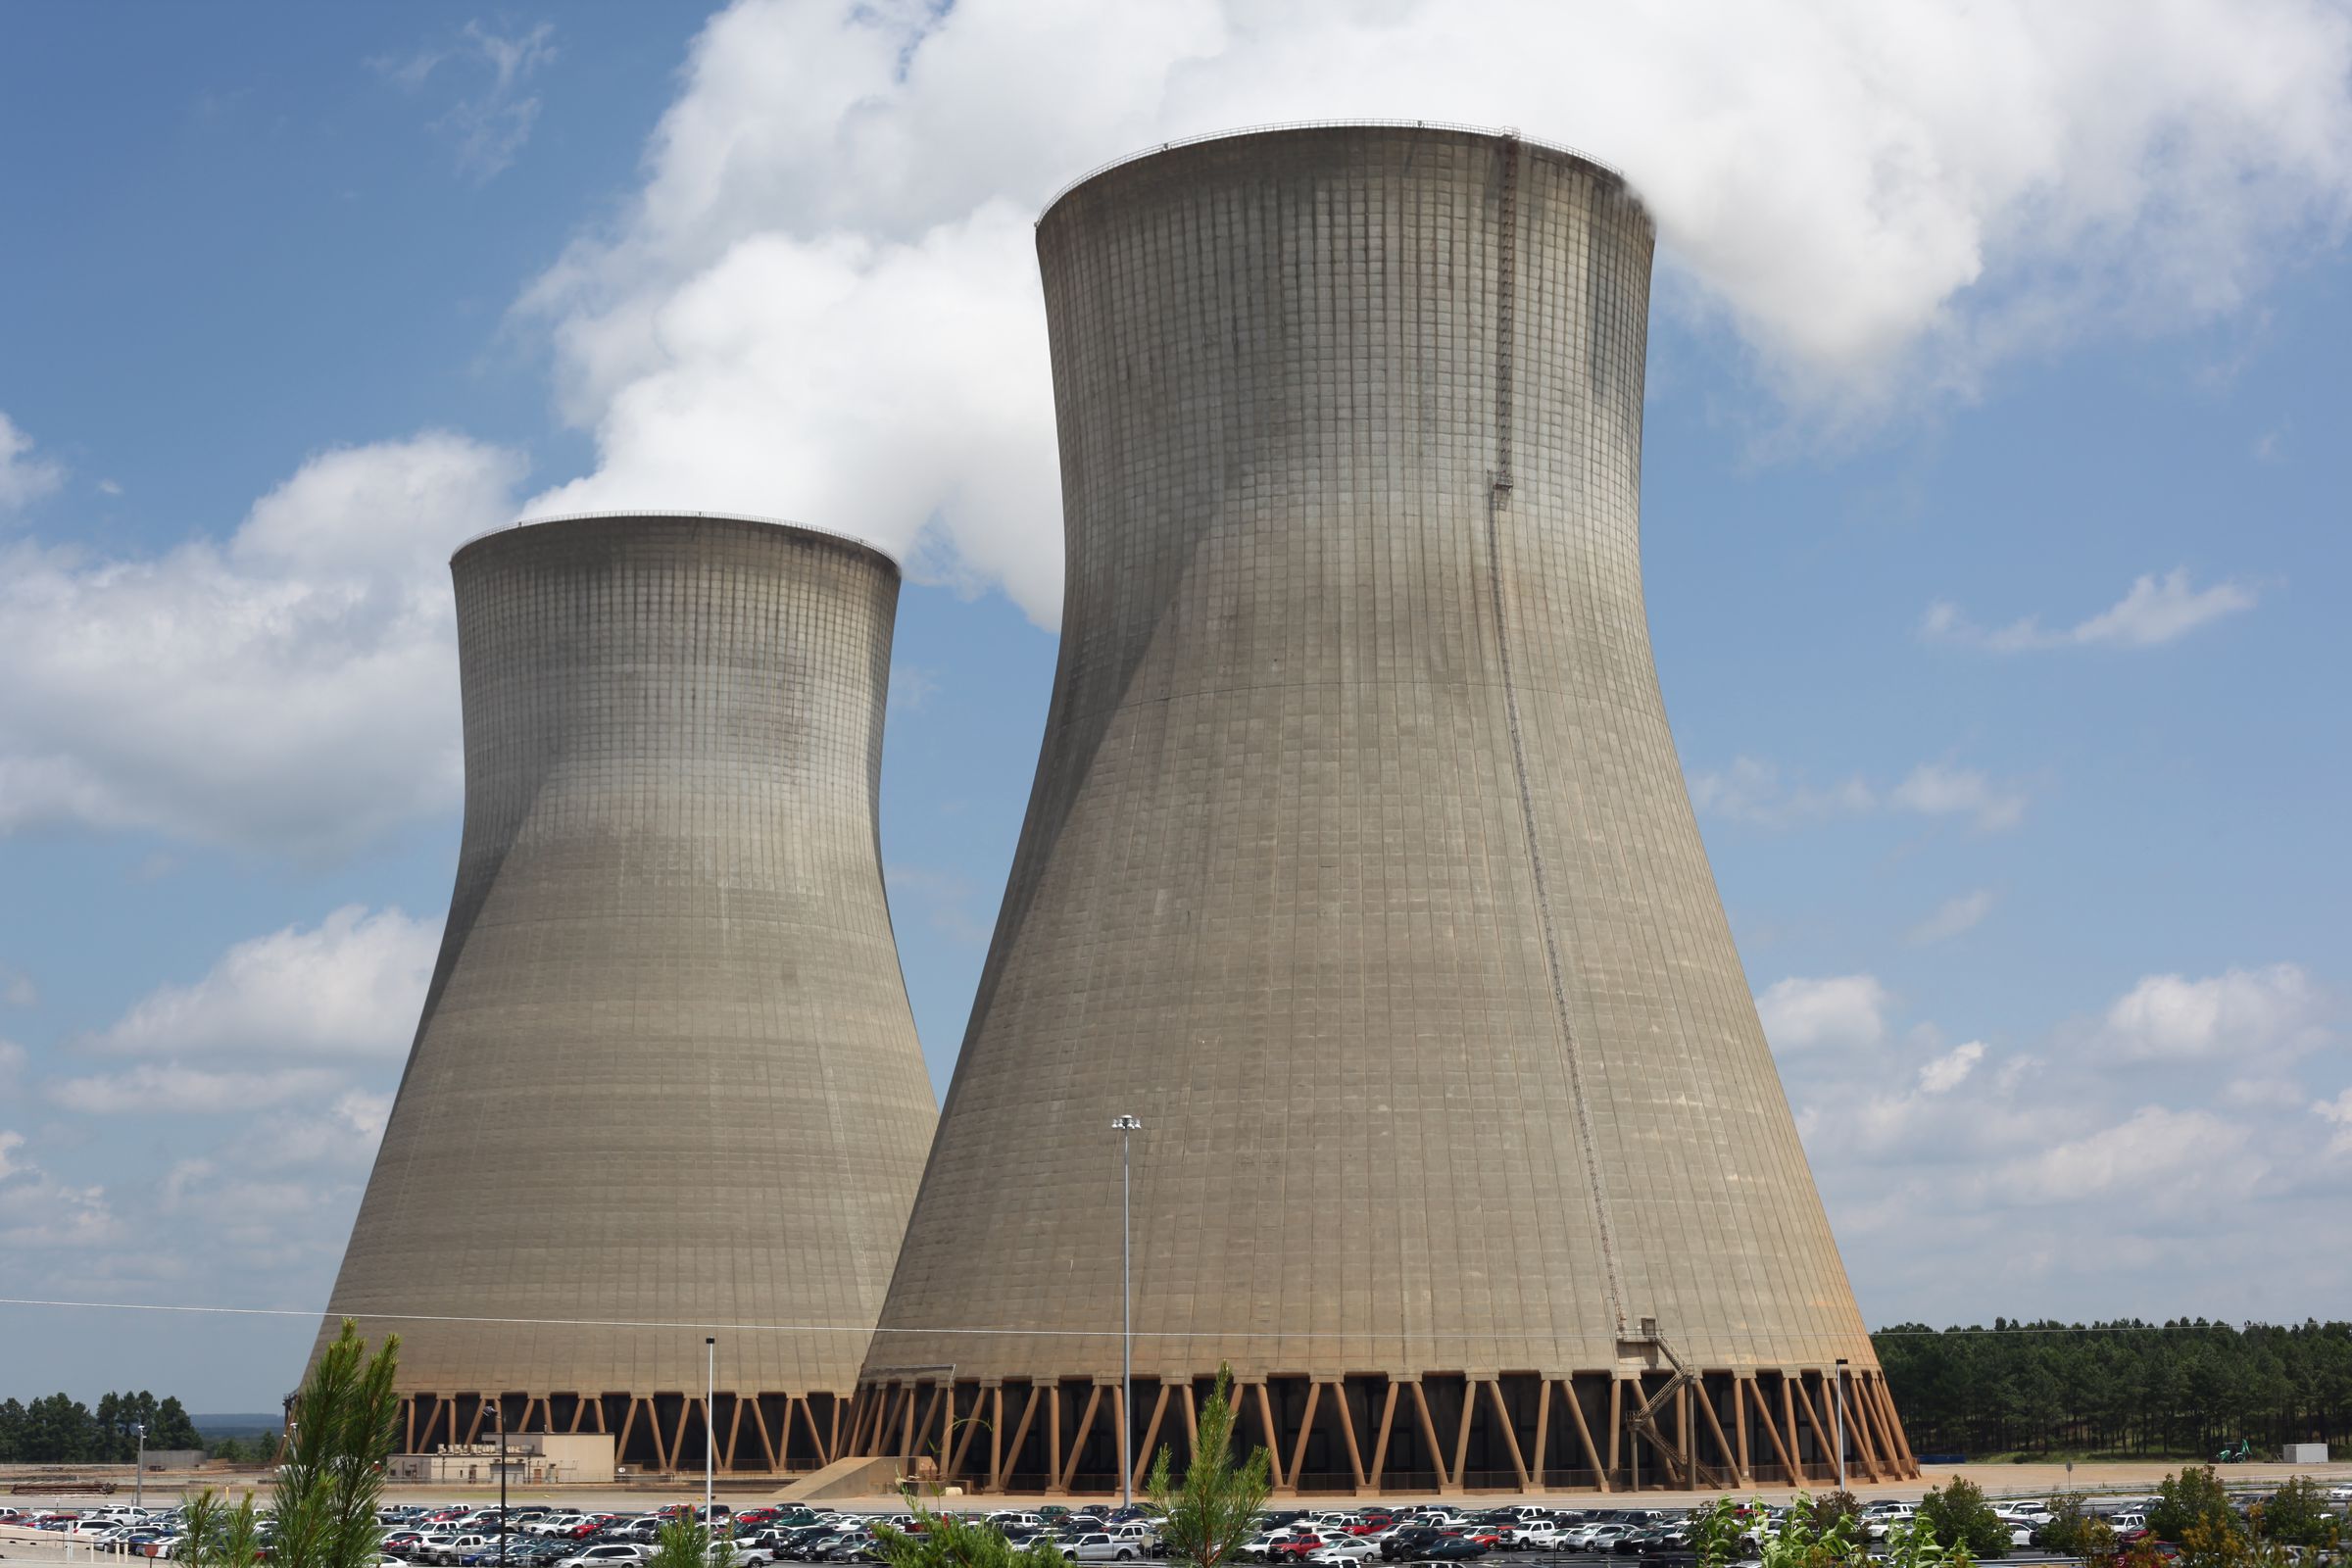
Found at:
[532, 1458]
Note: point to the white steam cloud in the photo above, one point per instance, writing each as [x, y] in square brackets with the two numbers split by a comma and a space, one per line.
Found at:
[822, 304]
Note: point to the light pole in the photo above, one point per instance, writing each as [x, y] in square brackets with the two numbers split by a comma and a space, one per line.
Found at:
[710, 1429]
[1126, 1127]
[139, 1484]
[1842, 1423]
[502, 1481]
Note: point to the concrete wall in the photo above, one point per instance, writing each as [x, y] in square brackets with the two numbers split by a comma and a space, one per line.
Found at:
[1359, 864]
[666, 1073]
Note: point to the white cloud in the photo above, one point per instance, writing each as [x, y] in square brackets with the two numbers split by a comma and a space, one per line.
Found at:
[1937, 789]
[1844, 1010]
[24, 477]
[778, 392]
[350, 986]
[2263, 1093]
[2155, 610]
[1751, 790]
[167, 1088]
[2337, 1112]
[1953, 916]
[36, 1210]
[912, 686]
[344, 1133]
[292, 689]
[2154, 1151]
[1949, 1072]
[1884, 201]
[491, 126]
[2235, 1015]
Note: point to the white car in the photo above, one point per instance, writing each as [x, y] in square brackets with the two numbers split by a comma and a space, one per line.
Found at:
[1102, 1546]
[606, 1555]
[1349, 1548]
[1542, 1534]
[1599, 1537]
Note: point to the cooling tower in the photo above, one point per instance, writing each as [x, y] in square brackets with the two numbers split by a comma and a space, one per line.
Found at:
[666, 1082]
[1360, 867]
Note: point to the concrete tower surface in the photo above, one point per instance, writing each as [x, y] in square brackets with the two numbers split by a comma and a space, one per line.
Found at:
[1360, 867]
[666, 1080]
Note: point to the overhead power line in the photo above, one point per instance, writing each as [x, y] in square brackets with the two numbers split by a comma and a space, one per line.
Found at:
[703, 1325]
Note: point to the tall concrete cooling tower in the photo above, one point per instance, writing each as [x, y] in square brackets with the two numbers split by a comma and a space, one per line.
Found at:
[666, 1082]
[1359, 868]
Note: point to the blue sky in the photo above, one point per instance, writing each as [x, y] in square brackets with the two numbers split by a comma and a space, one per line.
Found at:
[1995, 523]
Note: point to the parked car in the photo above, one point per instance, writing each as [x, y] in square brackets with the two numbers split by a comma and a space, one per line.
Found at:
[1099, 1545]
[1452, 1548]
[1409, 1542]
[1604, 1537]
[606, 1554]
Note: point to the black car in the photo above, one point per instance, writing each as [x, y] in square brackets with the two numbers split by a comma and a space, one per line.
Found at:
[1653, 1540]
[1409, 1542]
[1450, 1549]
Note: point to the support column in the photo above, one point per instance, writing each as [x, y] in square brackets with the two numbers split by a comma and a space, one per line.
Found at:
[1143, 1456]
[1543, 1425]
[1706, 1407]
[1510, 1435]
[1584, 1432]
[1796, 1475]
[1616, 1420]
[1306, 1429]
[1380, 1442]
[1772, 1430]
[996, 1434]
[1355, 1453]
[1086, 1424]
[1265, 1419]
[1446, 1484]
[1053, 1485]
[1020, 1435]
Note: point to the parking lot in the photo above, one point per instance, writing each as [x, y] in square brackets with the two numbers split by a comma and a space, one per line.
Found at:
[541, 1534]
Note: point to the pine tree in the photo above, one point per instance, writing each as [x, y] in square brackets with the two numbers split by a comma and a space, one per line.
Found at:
[341, 1429]
[1209, 1517]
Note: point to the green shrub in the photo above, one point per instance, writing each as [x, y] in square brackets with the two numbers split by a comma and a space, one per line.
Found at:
[2193, 1496]
[2074, 1531]
[1959, 1516]
[2297, 1515]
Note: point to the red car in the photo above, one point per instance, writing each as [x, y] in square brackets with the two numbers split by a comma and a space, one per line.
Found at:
[1298, 1546]
[1373, 1525]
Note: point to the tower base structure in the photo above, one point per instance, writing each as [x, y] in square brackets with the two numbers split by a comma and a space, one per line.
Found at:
[777, 1434]
[1370, 1434]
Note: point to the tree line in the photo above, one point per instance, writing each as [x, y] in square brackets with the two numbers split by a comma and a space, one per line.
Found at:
[57, 1430]
[2180, 1389]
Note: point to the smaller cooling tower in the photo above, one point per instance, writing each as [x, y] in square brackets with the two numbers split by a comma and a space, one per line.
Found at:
[666, 1082]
